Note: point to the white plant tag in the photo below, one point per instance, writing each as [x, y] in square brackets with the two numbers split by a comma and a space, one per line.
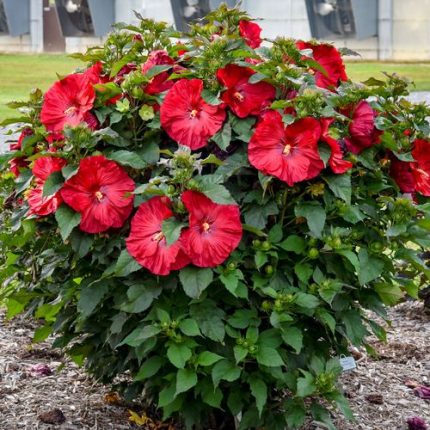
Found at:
[347, 363]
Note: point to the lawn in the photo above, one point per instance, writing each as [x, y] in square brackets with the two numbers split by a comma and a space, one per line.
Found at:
[20, 73]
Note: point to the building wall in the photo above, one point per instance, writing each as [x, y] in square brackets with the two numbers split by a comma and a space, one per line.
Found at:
[404, 26]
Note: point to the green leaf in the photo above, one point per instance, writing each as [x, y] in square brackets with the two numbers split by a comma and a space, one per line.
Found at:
[307, 300]
[355, 329]
[81, 242]
[351, 257]
[54, 182]
[149, 368]
[370, 267]
[269, 357]
[225, 370]
[171, 228]
[239, 353]
[210, 186]
[243, 318]
[140, 297]
[294, 243]
[275, 233]
[211, 98]
[223, 137]
[90, 297]
[314, 214]
[67, 220]
[178, 354]
[306, 385]
[259, 391]
[42, 333]
[390, 294]
[212, 396]
[256, 77]
[208, 358]
[140, 334]
[195, 280]
[189, 327]
[157, 69]
[293, 336]
[128, 158]
[210, 319]
[185, 379]
[303, 271]
[126, 264]
[340, 186]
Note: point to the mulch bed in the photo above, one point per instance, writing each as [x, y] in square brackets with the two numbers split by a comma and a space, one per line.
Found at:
[39, 385]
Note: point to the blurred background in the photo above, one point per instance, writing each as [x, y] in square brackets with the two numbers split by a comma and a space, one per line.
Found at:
[37, 35]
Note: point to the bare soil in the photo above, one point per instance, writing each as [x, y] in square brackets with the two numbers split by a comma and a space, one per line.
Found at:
[39, 384]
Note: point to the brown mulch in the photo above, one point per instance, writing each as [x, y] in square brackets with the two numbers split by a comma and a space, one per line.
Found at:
[380, 389]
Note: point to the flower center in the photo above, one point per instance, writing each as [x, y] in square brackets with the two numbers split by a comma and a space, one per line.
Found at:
[158, 236]
[70, 110]
[99, 195]
[287, 150]
[205, 226]
[239, 97]
[194, 113]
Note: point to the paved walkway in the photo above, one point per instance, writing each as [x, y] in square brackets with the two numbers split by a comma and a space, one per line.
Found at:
[417, 97]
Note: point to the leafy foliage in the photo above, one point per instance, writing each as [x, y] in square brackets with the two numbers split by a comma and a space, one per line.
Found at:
[257, 336]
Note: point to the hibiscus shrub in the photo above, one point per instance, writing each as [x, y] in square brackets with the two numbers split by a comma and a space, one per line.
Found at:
[204, 220]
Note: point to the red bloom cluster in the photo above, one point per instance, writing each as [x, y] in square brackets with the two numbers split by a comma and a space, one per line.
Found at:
[242, 97]
[18, 163]
[147, 243]
[187, 118]
[411, 176]
[330, 59]
[214, 231]
[250, 31]
[68, 102]
[289, 153]
[363, 133]
[42, 169]
[159, 83]
[101, 191]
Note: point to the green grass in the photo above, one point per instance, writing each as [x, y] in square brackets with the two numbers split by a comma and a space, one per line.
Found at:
[419, 73]
[20, 73]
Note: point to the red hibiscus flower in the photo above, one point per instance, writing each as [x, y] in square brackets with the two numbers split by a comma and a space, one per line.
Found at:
[67, 102]
[362, 131]
[147, 243]
[17, 163]
[243, 98]
[214, 230]
[250, 31]
[44, 205]
[413, 176]
[421, 169]
[187, 118]
[101, 191]
[330, 59]
[401, 172]
[159, 83]
[291, 153]
[336, 161]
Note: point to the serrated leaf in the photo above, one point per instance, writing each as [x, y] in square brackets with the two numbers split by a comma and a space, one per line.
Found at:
[195, 280]
[341, 187]
[294, 243]
[259, 391]
[171, 228]
[125, 264]
[90, 297]
[269, 357]
[178, 354]
[225, 370]
[185, 379]
[53, 184]
[207, 358]
[189, 327]
[314, 214]
[223, 137]
[67, 220]
[293, 336]
[149, 368]
[306, 385]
